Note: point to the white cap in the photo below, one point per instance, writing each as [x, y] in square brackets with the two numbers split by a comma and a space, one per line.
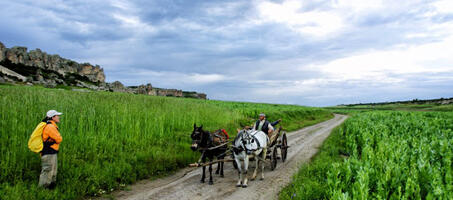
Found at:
[52, 113]
[262, 115]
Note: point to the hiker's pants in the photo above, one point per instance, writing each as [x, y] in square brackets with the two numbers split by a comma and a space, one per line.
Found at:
[49, 170]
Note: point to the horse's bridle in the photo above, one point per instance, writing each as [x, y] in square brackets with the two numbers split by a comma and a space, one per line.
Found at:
[253, 140]
[198, 142]
[245, 139]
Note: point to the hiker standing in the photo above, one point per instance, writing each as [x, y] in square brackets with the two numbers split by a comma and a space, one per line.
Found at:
[51, 138]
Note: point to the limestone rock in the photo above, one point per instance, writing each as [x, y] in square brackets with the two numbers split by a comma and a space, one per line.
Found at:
[202, 96]
[169, 93]
[194, 95]
[145, 89]
[11, 73]
[2, 52]
[50, 84]
[42, 60]
[94, 73]
[86, 85]
[118, 87]
[17, 55]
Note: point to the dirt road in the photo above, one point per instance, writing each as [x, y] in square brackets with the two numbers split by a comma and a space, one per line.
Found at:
[186, 184]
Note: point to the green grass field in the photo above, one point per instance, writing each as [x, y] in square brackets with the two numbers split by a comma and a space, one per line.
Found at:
[382, 155]
[114, 139]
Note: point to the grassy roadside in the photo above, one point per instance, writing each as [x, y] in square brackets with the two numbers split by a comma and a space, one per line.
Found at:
[114, 139]
[310, 182]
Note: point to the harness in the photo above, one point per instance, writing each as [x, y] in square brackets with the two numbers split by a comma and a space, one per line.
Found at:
[211, 144]
[221, 137]
[216, 133]
[257, 141]
[248, 151]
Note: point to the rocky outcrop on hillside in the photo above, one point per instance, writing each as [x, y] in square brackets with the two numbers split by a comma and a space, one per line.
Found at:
[148, 89]
[37, 67]
[441, 101]
[194, 95]
[38, 62]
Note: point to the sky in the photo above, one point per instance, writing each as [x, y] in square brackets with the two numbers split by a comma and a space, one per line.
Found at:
[311, 52]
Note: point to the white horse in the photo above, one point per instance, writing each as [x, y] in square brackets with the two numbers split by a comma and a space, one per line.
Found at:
[249, 144]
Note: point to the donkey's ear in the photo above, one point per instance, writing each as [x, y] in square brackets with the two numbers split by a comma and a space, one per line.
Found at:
[201, 126]
[194, 125]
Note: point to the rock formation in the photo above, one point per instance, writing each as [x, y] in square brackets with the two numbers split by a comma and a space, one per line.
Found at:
[145, 89]
[37, 67]
[40, 60]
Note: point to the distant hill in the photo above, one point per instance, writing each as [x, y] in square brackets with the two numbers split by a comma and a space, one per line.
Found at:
[441, 101]
[35, 67]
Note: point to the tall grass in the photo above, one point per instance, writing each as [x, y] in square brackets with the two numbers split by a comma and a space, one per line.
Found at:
[112, 139]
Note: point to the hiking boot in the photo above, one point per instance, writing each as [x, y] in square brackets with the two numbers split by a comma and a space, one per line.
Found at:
[52, 186]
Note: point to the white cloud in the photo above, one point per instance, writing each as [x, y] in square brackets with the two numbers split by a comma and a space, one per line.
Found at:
[129, 19]
[355, 6]
[171, 77]
[133, 22]
[387, 70]
[388, 66]
[444, 6]
[205, 78]
[317, 24]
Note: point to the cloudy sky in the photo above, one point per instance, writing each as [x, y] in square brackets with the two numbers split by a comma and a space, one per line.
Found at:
[310, 52]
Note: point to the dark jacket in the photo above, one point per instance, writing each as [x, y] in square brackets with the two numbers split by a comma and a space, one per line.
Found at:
[275, 123]
[265, 127]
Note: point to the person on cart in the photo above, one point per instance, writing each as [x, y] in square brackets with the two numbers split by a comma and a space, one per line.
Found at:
[263, 125]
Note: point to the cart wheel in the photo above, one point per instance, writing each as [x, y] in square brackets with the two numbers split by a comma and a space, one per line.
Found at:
[274, 159]
[284, 147]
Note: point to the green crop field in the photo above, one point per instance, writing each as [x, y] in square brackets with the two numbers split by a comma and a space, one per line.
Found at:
[393, 106]
[382, 155]
[114, 139]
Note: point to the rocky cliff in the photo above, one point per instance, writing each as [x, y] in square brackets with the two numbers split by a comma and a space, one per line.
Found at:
[35, 63]
[37, 67]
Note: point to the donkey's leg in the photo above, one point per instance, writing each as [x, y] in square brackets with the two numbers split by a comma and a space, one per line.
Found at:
[221, 169]
[204, 169]
[246, 167]
[218, 168]
[210, 175]
[262, 165]
[238, 163]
